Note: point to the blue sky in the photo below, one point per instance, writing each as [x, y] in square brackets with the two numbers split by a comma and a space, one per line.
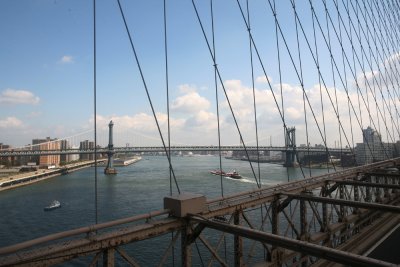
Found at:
[46, 66]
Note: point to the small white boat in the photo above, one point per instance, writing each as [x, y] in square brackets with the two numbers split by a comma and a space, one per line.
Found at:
[53, 205]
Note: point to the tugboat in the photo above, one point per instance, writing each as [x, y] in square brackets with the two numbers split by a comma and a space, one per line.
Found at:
[234, 174]
[53, 205]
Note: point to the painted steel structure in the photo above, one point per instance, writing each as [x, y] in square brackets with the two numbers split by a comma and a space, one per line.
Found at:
[331, 218]
[155, 149]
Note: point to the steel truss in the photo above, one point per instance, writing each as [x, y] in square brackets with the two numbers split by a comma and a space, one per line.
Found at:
[334, 217]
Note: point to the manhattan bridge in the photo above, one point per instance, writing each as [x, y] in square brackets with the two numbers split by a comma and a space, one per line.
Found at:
[352, 50]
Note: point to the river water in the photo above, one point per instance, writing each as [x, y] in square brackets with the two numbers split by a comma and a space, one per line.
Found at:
[136, 189]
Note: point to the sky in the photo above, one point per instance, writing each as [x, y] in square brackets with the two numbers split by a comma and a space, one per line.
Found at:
[47, 73]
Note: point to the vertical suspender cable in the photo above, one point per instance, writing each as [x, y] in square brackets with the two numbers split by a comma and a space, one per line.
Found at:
[298, 75]
[345, 81]
[147, 93]
[379, 81]
[365, 32]
[382, 78]
[167, 89]
[352, 71]
[302, 85]
[347, 92]
[254, 93]
[224, 90]
[216, 97]
[168, 114]
[372, 71]
[387, 57]
[254, 107]
[95, 110]
[280, 80]
[333, 76]
[319, 83]
[354, 65]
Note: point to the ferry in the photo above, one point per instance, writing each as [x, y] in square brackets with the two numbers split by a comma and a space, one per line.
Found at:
[126, 162]
[233, 174]
[53, 205]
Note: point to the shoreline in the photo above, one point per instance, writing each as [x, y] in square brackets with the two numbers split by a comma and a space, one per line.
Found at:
[22, 179]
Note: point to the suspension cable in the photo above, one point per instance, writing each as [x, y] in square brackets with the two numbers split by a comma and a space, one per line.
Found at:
[148, 95]
[301, 79]
[381, 77]
[225, 92]
[362, 67]
[340, 77]
[280, 82]
[167, 89]
[216, 99]
[265, 73]
[168, 113]
[298, 75]
[319, 83]
[254, 94]
[95, 110]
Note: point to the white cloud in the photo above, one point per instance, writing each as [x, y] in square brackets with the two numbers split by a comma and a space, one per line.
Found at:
[203, 120]
[139, 122]
[34, 114]
[264, 79]
[12, 96]
[10, 122]
[190, 101]
[66, 59]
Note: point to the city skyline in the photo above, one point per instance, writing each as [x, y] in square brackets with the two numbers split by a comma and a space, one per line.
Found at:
[47, 66]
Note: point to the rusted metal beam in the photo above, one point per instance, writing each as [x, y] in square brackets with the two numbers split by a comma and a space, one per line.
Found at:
[213, 252]
[367, 184]
[126, 257]
[387, 174]
[109, 257]
[92, 244]
[84, 230]
[238, 242]
[186, 249]
[170, 247]
[344, 202]
[295, 245]
[95, 259]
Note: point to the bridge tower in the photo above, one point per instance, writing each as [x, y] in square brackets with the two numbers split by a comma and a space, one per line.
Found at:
[110, 153]
[290, 144]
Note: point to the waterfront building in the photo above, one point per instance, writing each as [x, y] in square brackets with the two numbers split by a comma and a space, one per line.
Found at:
[64, 144]
[73, 157]
[5, 160]
[49, 144]
[372, 149]
[84, 145]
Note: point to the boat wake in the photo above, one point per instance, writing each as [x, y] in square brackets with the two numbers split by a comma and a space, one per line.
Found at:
[251, 180]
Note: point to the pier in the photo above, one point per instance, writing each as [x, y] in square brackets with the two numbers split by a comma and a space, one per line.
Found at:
[27, 178]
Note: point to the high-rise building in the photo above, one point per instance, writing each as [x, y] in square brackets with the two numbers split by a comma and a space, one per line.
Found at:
[372, 149]
[84, 145]
[47, 144]
[64, 144]
[5, 160]
[73, 157]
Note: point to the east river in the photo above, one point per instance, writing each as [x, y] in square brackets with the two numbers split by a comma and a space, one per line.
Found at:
[136, 189]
